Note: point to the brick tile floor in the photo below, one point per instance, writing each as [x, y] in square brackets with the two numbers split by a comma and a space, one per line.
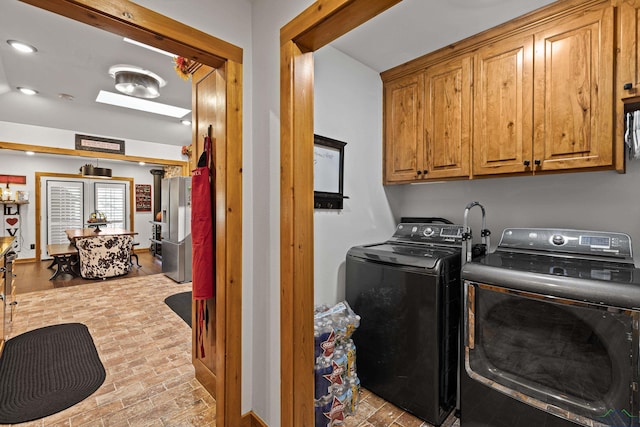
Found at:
[146, 350]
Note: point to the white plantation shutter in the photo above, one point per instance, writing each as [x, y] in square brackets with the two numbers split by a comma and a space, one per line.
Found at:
[65, 203]
[111, 200]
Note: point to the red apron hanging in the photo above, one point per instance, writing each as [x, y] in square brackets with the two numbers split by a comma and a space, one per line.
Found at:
[202, 231]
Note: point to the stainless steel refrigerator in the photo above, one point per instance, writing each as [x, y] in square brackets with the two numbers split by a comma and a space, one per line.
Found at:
[175, 203]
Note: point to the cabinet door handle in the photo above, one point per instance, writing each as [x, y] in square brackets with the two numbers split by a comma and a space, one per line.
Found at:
[527, 163]
[627, 86]
[537, 162]
[419, 172]
[425, 171]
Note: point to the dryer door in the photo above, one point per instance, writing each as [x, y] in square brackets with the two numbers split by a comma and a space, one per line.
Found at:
[576, 360]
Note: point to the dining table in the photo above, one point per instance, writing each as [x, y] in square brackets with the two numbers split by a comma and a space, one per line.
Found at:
[76, 233]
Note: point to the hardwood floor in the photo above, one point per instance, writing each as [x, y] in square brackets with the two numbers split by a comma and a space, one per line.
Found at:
[34, 276]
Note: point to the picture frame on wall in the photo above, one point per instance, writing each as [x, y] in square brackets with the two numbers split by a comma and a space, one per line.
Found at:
[99, 144]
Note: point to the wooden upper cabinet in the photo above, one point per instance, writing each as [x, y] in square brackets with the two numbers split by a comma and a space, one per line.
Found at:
[533, 95]
[629, 36]
[628, 69]
[573, 99]
[403, 124]
[447, 123]
[503, 107]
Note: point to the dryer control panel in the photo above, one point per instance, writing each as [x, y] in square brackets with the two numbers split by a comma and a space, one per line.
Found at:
[574, 242]
[428, 233]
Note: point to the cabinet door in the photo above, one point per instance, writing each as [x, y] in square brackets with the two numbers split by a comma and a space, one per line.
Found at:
[448, 119]
[629, 36]
[503, 107]
[628, 69]
[403, 100]
[573, 108]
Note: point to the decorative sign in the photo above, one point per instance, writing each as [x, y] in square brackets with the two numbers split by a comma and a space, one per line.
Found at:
[143, 198]
[13, 179]
[11, 225]
[103, 145]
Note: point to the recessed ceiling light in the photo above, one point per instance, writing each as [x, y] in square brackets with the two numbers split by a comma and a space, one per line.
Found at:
[65, 96]
[125, 101]
[22, 47]
[29, 153]
[146, 46]
[27, 91]
[141, 163]
[185, 122]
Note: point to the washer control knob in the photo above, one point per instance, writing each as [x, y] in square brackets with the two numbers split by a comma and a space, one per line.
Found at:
[557, 240]
[428, 232]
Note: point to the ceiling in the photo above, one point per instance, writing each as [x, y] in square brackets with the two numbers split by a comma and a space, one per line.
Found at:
[74, 59]
[413, 28]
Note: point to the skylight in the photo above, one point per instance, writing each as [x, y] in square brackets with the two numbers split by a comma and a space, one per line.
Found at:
[125, 101]
[146, 46]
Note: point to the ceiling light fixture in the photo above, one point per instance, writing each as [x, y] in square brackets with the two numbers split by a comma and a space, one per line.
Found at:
[119, 100]
[136, 81]
[27, 91]
[185, 122]
[22, 47]
[90, 171]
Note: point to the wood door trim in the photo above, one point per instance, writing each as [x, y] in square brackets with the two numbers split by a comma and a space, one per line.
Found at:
[39, 209]
[318, 25]
[91, 154]
[125, 18]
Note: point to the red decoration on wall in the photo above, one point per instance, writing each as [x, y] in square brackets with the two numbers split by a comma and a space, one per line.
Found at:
[13, 179]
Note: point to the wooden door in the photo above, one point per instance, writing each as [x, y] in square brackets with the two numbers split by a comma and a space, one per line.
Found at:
[573, 108]
[503, 107]
[448, 119]
[204, 89]
[403, 143]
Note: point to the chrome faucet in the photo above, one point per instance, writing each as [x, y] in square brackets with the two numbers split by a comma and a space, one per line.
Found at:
[467, 237]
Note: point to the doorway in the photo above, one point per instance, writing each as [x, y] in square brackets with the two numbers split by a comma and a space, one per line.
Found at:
[318, 25]
[130, 20]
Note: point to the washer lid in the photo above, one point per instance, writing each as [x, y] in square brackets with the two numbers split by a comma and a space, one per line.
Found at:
[420, 256]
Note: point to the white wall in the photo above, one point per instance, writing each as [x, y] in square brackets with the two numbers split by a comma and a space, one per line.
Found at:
[231, 21]
[268, 17]
[348, 107]
[18, 163]
[588, 200]
[62, 138]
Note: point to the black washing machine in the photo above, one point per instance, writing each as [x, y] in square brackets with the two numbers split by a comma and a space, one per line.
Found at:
[550, 332]
[407, 293]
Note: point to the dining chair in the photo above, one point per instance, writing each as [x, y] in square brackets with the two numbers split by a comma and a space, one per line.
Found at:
[105, 256]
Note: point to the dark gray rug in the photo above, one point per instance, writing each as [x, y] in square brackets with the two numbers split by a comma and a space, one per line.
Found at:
[47, 370]
[181, 305]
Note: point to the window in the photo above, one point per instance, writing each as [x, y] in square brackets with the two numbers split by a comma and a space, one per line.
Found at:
[110, 199]
[70, 201]
[65, 208]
